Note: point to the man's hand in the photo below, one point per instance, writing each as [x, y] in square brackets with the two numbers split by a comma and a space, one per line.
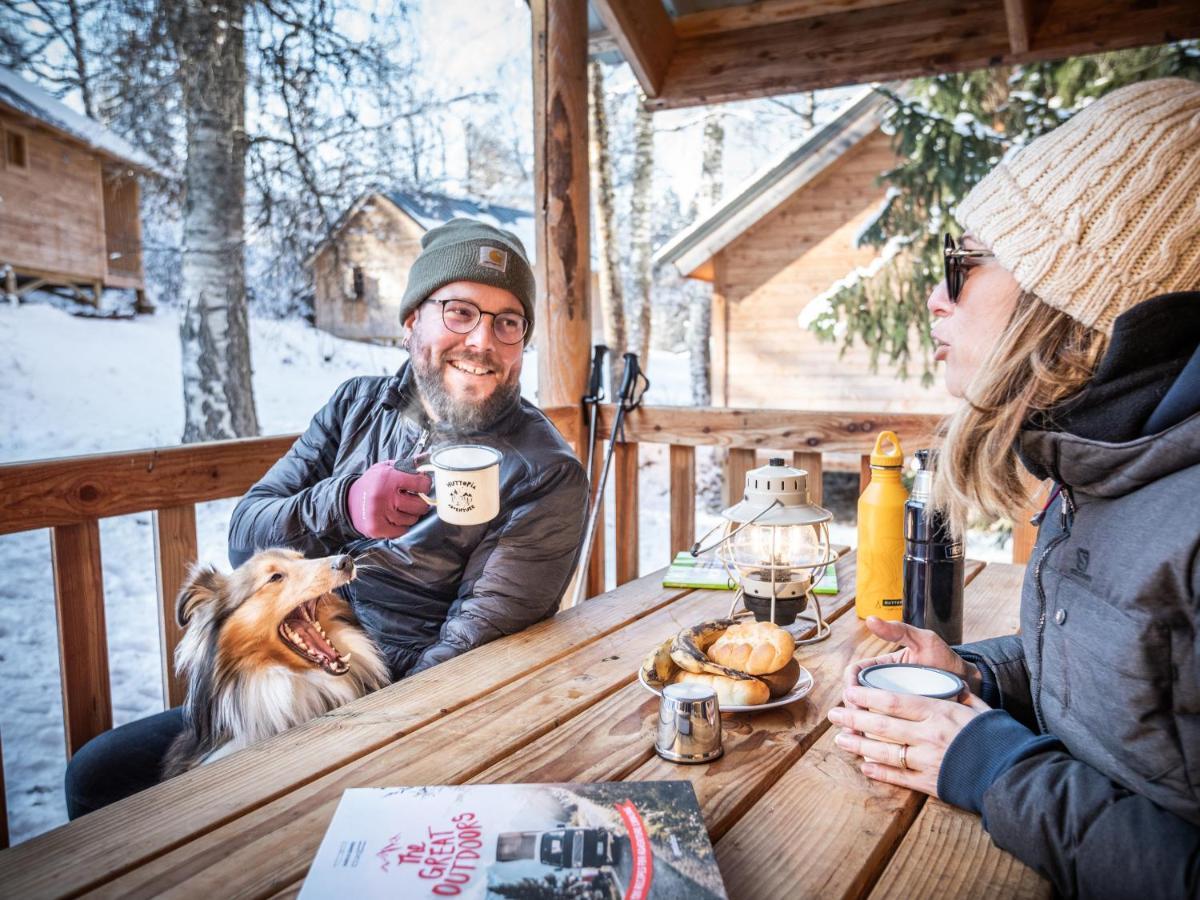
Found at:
[921, 646]
[383, 501]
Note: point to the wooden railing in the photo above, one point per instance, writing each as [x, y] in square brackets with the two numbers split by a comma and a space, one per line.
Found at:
[70, 496]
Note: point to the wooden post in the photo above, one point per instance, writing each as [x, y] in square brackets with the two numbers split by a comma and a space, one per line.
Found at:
[561, 211]
[1025, 532]
[740, 462]
[683, 498]
[10, 285]
[174, 553]
[811, 463]
[82, 637]
[625, 494]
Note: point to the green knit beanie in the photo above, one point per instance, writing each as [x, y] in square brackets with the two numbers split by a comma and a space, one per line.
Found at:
[468, 250]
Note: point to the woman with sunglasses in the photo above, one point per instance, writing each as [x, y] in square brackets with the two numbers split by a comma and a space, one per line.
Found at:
[1069, 324]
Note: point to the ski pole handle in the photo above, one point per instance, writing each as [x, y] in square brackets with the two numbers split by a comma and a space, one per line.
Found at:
[596, 383]
[633, 383]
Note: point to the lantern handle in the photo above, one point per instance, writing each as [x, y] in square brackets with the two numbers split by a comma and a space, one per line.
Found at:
[697, 549]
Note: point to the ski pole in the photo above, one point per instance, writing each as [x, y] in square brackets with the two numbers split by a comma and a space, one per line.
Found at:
[633, 387]
[595, 396]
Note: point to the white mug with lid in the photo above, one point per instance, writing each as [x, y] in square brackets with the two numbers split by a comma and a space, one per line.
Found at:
[466, 479]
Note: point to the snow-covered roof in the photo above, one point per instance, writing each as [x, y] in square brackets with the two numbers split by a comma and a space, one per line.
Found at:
[430, 210]
[26, 97]
[772, 184]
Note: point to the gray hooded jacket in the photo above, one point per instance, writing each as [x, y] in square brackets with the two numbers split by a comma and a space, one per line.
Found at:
[1105, 802]
[441, 589]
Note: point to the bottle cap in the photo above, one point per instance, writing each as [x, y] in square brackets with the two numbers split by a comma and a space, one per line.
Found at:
[922, 488]
[893, 458]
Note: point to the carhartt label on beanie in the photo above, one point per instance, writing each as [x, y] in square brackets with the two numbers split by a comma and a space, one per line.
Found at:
[470, 250]
[493, 258]
[1101, 213]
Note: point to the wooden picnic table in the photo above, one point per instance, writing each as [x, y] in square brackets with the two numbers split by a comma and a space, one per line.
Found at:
[789, 813]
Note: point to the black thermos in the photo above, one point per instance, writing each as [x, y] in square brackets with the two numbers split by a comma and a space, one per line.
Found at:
[933, 561]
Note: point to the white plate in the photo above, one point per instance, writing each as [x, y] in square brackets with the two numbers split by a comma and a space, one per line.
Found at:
[804, 686]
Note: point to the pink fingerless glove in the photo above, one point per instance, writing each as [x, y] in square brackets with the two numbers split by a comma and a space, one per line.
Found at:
[383, 501]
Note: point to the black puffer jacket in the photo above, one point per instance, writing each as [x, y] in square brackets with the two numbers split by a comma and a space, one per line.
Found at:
[441, 589]
[1091, 773]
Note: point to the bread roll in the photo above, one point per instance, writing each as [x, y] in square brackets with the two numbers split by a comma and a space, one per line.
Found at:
[757, 648]
[784, 680]
[730, 691]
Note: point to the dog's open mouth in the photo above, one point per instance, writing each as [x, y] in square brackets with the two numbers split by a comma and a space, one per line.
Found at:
[303, 633]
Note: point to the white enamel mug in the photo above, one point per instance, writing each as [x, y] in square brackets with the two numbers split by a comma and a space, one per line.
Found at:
[466, 483]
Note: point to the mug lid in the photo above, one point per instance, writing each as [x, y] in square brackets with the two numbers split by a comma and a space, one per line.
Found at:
[689, 690]
[465, 457]
[910, 678]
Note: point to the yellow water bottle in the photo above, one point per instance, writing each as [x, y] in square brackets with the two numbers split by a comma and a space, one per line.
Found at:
[880, 579]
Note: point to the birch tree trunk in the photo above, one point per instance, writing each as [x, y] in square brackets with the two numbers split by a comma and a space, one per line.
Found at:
[79, 52]
[218, 394]
[700, 324]
[639, 224]
[612, 293]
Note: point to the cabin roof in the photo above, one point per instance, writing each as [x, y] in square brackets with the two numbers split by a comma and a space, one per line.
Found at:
[777, 180]
[430, 209]
[29, 99]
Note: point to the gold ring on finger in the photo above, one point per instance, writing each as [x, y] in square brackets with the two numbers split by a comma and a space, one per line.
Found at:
[904, 756]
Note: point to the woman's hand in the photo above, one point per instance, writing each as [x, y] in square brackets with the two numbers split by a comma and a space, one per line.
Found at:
[921, 646]
[915, 732]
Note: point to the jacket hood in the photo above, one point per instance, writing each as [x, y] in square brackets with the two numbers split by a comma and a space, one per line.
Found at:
[1095, 441]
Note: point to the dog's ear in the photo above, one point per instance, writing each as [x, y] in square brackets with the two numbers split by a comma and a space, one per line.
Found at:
[204, 585]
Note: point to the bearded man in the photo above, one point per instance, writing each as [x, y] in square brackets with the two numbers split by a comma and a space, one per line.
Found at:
[426, 591]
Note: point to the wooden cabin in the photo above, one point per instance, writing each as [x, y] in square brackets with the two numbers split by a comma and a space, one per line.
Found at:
[69, 199]
[772, 249]
[359, 271]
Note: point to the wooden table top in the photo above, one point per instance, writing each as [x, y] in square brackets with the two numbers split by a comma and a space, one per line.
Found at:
[789, 813]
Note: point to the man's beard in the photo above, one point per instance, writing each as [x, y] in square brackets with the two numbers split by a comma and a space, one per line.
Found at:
[461, 415]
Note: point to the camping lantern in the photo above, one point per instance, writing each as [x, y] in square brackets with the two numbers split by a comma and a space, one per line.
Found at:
[776, 545]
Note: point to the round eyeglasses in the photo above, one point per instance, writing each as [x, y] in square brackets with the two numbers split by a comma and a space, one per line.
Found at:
[958, 260]
[462, 316]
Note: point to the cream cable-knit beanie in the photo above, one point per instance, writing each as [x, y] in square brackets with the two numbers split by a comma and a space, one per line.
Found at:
[1103, 212]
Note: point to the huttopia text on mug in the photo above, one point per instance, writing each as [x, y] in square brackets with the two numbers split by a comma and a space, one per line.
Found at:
[466, 483]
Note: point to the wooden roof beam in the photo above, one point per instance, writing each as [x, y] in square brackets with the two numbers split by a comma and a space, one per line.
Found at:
[1019, 14]
[920, 37]
[645, 35]
[765, 12]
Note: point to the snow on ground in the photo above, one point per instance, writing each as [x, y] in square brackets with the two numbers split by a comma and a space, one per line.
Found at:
[74, 386]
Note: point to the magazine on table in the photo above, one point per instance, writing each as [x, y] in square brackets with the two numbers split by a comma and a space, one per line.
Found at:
[607, 841]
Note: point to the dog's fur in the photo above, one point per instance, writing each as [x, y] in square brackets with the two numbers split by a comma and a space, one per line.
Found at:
[246, 680]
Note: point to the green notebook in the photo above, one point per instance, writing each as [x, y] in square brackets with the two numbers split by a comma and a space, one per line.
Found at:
[687, 571]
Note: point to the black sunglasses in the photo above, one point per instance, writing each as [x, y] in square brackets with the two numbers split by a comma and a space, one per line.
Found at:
[462, 317]
[958, 260]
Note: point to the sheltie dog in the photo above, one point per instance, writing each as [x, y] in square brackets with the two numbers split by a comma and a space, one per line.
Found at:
[266, 648]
